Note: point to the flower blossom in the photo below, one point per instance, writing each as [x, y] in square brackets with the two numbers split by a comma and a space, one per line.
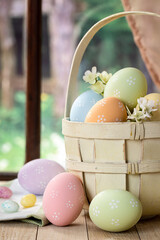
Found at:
[146, 105]
[104, 76]
[138, 115]
[98, 87]
[97, 80]
[90, 76]
[143, 111]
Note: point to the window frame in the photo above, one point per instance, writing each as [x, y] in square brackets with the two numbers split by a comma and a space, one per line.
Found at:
[33, 84]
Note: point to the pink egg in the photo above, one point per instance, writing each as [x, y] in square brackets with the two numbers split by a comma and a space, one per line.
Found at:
[63, 199]
[5, 192]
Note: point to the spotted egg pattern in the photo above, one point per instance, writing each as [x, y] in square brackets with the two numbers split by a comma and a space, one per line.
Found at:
[63, 199]
[117, 93]
[82, 105]
[54, 194]
[131, 80]
[10, 206]
[96, 211]
[115, 222]
[114, 203]
[35, 175]
[115, 210]
[127, 84]
[56, 216]
[108, 109]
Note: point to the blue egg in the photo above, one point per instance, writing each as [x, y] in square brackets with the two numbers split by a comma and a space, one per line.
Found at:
[10, 206]
[83, 104]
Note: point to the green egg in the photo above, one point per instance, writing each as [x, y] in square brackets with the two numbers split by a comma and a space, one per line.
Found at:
[115, 210]
[128, 84]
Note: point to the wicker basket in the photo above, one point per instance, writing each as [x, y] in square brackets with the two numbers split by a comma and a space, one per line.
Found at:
[113, 155]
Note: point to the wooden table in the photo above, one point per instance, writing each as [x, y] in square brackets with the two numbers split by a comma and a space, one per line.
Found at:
[81, 229]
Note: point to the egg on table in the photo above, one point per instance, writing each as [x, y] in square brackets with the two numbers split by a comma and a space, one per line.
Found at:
[63, 199]
[28, 200]
[127, 84]
[109, 109]
[35, 175]
[10, 206]
[156, 98]
[115, 210]
[5, 192]
[82, 105]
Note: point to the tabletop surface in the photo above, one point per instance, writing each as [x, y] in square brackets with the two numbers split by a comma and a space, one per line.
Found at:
[81, 229]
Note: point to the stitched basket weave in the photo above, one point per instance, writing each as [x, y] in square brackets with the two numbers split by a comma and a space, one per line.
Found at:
[113, 155]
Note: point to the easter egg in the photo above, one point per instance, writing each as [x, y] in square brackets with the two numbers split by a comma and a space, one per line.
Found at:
[156, 98]
[10, 206]
[82, 105]
[5, 192]
[109, 109]
[28, 200]
[115, 210]
[35, 175]
[128, 84]
[63, 199]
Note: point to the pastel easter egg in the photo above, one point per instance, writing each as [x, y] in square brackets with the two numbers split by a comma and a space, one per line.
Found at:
[63, 199]
[28, 200]
[10, 206]
[115, 210]
[82, 105]
[156, 98]
[5, 192]
[109, 109]
[35, 175]
[128, 84]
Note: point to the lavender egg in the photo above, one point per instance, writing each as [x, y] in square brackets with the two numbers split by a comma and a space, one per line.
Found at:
[35, 175]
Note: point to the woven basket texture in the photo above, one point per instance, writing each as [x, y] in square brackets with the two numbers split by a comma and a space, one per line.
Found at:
[113, 155]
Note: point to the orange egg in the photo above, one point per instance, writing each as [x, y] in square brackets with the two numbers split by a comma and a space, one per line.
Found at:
[108, 109]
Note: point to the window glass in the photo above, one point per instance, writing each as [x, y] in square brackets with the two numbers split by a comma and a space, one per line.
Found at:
[64, 23]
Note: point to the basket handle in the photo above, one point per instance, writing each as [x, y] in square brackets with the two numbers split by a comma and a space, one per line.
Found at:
[71, 92]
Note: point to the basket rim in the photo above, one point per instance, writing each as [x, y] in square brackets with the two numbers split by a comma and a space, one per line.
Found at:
[118, 130]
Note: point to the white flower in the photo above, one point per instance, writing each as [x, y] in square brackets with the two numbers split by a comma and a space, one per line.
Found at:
[90, 76]
[146, 105]
[138, 115]
[97, 80]
[98, 87]
[104, 76]
[143, 111]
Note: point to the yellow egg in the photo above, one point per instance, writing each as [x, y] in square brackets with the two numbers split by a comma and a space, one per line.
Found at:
[28, 200]
[156, 98]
